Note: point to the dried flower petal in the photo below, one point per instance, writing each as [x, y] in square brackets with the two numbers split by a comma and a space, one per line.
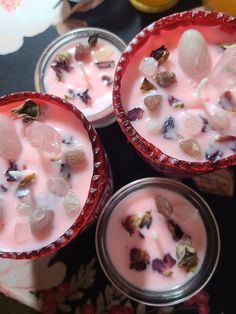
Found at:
[225, 138]
[152, 101]
[146, 220]
[146, 85]
[175, 230]
[105, 64]
[70, 94]
[139, 259]
[228, 45]
[141, 235]
[227, 102]
[135, 114]
[62, 63]
[165, 78]
[81, 52]
[163, 206]
[107, 80]
[176, 103]
[84, 96]
[168, 128]
[161, 54]
[186, 254]
[3, 188]
[131, 223]
[29, 110]
[161, 267]
[190, 147]
[93, 39]
[12, 167]
[67, 140]
[213, 153]
[27, 180]
[169, 260]
[205, 123]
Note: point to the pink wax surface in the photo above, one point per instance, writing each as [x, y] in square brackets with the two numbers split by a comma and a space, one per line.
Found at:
[185, 89]
[157, 239]
[101, 94]
[68, 125]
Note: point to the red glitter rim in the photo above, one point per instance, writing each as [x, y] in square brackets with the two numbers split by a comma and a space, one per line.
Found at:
[99, 186]
[151, 153]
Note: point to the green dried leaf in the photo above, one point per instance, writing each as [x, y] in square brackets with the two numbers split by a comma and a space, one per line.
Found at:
[29, 110]
[187, 254]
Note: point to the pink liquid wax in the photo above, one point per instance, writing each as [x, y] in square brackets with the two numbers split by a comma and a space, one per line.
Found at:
[157, 240]
[203, 116]
[86, 75]
[45, 166]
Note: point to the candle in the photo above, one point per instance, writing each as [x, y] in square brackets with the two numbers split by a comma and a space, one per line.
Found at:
[46, 174]
[163, 245]
[79, 67]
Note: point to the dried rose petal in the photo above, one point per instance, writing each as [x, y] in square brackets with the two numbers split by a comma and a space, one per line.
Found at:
[3, 188]
[81, 52]
[169, 260]
[165, 78]
[141, 235]
[139, 259]
[205, 123]
[227, 102]
[84, 96]
[161, 267]
[152, 101]
[176, 103]
[161, 54]
[186, 254]
[163, 206]
[213, 153]
[146, 85]
[190, 147]
[105, 64]
[62, 63]
[131, 223]
[146, 220]
[168, 128]
[175, 230]
[107, 80]
[135, 114]
[93, 39]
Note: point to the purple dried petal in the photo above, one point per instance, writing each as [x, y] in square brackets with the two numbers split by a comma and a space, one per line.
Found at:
[168, 127]
[176, 103]
[135, 114]
[131, 223]
[12, 167]
[62, 63]
[84, 96]
[159, 265]
[213, 153]
[107, 80]
[3, 188]
[169, 260]
[161, 54]
[227, 102]
[205, 123]
[175, 230]
[105, 64]
[139, 259]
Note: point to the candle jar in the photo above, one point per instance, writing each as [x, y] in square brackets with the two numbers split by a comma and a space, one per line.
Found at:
[86, 77]
[153, 6]
[157, 104]
[58, 177]
[142, 264]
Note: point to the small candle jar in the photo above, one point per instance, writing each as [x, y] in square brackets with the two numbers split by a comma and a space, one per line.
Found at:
[153, 6]
[55, 177]
[79, 67]
[168, 245]
[171, 89]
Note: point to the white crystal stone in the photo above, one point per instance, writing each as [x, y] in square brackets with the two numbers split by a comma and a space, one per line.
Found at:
[148, 66]
[218, 118]
[193, 54]
[44, 137]
[58, 186]
[153, 125]
[184, 212]
[103, 54]
[21, 232]
[41, 220]
[25, 206]
[10, 145]
[71, 204]
[193, 124]
[75, 156]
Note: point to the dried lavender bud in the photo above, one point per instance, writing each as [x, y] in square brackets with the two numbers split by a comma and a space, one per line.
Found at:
[105, 64]
[139, 259]
[161, 267]
[186, 254]
[205, 123]
[213, 153]
[70, 94]
[161, 54]
[12, 167]
[169, 260]
[135, 114]
[146, 85]
[163, 206]
[190, 147]
[93, 39]
[146, 220]
[84, 96]
[168, 128]
[175, 230]
[131, 223]
[226, 101]
[29, 110]
[3, 188]
[152, 101]
[176, 103]
[107, 80]
[81, 51]
[165, 78]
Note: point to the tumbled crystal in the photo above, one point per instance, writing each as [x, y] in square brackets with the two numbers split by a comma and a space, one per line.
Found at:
[44, 137]
[152, 101]
[218, 118]
[190, 147]
[193, 124]
[103, 54]
[165, 78]
[75, 156]
[163, 206]
[58, 186]
[10, 145]
[153, 125]
[40, 220]
[71, 204]
[21, 232]
[148, 66]
[25, 206]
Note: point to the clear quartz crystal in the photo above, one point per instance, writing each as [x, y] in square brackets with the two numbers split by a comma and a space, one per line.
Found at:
[10, 145]
[148, 66]
[45, 138]
[193, 124]
[21, 232]
[153, 125]
[75, 156]
[71, 204]
[41, 220]
[58, 186]
[25, 206]
[218, 117]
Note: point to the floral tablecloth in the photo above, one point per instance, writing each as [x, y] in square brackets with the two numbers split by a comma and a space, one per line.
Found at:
[72, 281]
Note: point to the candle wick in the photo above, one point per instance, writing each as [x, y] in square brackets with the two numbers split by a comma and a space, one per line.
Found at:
[81, 66]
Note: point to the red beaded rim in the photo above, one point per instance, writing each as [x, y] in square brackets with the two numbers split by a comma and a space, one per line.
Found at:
[151, 153]
[100, 180]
